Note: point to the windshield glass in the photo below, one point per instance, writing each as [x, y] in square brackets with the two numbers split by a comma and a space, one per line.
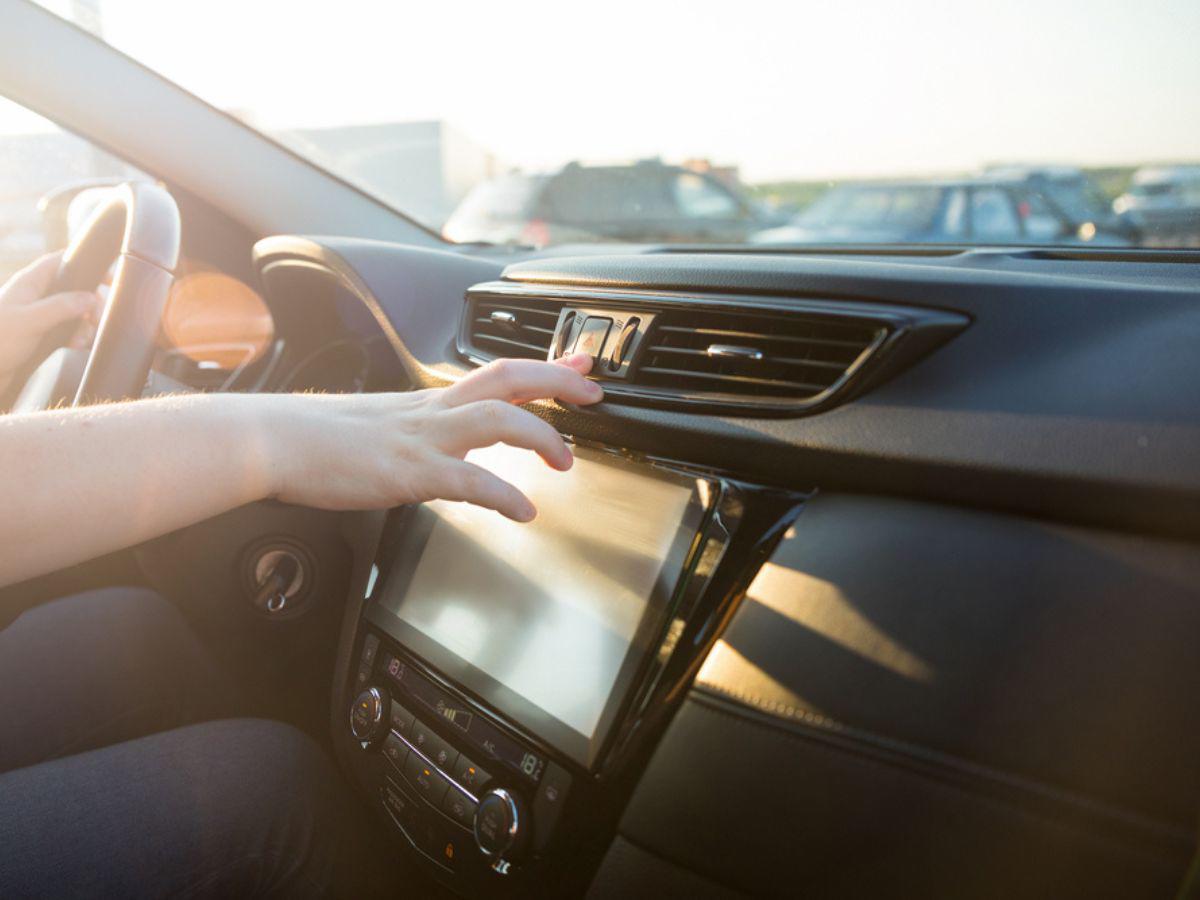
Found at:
[542, 123]
[907, 207]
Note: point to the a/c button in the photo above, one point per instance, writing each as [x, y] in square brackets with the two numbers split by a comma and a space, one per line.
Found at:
[427, 780]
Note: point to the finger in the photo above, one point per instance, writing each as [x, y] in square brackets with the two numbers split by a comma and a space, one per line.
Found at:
[469, 483]
[85, 333]
[488, 422]
[43, 315]
[31, 282]
[522, 380]
[580, 362]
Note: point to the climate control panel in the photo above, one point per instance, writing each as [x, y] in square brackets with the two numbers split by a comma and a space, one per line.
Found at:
[462, 790]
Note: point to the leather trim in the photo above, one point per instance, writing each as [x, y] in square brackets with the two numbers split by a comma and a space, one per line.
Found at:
[804, 725]
[1062, 656]
[757, 802]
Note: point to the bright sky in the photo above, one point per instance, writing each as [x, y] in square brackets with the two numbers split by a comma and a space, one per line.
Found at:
[783, 89]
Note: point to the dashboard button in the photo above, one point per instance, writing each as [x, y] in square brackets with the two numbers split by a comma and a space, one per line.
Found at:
[621, 352]
[370, 649]
[401, 720]
[368, 714]
[469, 775]
[459, 807]
[500, 827]
[427, 741]
[395, 751]
[594, 334]
[438, 841]
[427, 781]
[362, 677]
[563, 337]
[399, 805]
[548, 803]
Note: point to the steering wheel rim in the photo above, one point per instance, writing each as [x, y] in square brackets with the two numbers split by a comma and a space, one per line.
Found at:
[138, 226]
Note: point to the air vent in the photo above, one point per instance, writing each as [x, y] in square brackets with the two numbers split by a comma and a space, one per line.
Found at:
[523, 329]
[704, 352]
[796, 358]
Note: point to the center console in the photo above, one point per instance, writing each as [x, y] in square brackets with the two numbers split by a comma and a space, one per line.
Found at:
[501, 684]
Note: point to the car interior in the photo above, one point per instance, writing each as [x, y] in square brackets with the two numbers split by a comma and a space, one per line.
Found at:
[876, 575]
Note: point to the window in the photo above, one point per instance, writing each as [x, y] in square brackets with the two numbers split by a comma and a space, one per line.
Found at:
[1041, 222]
[954, 219]
[909, 208]
[412, 107]
[606, 194]
[698, 198]
[508, 197]
[37, 159]
[992, 216]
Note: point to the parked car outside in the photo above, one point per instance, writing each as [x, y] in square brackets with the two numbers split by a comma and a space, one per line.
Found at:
[1074, 192]
[1165, 203]
[646, 201]
[980, 211]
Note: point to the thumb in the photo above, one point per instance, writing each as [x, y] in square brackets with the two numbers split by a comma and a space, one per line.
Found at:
[42, 315]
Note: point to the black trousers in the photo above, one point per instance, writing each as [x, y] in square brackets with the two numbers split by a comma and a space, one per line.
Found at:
[106, 791]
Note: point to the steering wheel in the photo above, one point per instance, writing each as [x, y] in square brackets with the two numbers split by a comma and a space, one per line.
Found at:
[139, 228]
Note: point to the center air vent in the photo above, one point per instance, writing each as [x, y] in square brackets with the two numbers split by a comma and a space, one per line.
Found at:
[753, 355]
[523, 329]
[706, 352]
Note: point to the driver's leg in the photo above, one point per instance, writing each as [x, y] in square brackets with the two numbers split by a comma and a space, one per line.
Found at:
[98, 668]
[232, 808]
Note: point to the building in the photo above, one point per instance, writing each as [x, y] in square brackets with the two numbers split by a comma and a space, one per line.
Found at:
[421, 168]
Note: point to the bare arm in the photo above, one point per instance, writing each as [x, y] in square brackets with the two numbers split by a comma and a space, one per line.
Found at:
[78, 483]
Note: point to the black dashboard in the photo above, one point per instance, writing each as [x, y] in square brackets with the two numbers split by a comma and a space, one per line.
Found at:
[927, 631]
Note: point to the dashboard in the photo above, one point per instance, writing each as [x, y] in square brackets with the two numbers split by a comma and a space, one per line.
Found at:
[219, 334]
[923, 626]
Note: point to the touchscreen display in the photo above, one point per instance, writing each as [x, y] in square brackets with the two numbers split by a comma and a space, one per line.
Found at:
[546, 619]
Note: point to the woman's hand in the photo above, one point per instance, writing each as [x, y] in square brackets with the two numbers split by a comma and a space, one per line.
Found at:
[26, 314]
[169, 462]
[375, 451]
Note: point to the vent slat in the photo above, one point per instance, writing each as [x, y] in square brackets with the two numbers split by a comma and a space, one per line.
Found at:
[509, 342]
[798, 357]
[732, 379]
[485, 322]
[781, 360]
[519, 311]
[762, 336]
[529, 337]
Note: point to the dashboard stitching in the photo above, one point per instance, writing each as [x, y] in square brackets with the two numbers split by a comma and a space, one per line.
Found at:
[774, 707]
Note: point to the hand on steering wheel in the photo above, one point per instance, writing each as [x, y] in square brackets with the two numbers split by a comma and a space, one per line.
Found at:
[27, 314]
[138, 229]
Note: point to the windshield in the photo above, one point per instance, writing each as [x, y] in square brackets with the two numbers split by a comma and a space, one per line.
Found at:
[902, 207]
[514, 123]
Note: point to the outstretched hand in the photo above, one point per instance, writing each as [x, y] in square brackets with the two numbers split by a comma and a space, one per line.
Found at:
[26, 314]
[380, 450]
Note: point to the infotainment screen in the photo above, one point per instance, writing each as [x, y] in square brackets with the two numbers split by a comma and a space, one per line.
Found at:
[547, 621]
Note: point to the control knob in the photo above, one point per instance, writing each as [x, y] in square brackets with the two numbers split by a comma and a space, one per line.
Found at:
[368, 714]
[501, 825]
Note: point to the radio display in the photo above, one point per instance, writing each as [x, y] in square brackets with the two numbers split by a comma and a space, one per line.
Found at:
[548, 621]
